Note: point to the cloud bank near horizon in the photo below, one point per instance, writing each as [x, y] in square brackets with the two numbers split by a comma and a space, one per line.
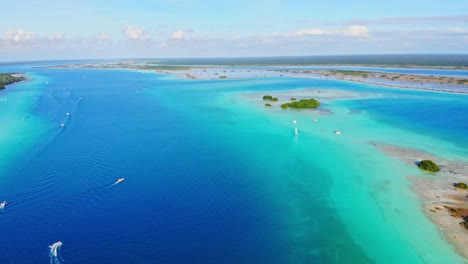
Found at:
[445, 34]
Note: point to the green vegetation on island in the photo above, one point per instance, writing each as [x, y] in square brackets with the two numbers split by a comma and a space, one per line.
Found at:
[362, 74]
[293, 99]
[461, 185]
[8, 78]
[304, 103]
[270, 98]
[268, 105]
[428, 165]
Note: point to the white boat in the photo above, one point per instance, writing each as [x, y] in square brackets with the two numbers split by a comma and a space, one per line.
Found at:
[3, 204]
[294, 122]
[295, 132]
[337, 132]
[119, 180]
[62, 124]
[315, 120]
[54, 249]
[68, 114]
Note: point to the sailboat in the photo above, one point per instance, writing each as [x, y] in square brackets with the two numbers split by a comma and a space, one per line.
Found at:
[295, 132]
[3, 204]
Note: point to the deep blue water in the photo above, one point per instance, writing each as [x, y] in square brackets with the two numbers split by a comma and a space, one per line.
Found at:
[444, 118]
[163, 213]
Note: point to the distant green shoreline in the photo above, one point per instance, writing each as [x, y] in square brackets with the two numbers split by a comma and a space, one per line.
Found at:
[10, 78]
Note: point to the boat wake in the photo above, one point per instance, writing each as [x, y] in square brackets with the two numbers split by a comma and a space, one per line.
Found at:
[116, 182]
[54, 253]
[65, 120]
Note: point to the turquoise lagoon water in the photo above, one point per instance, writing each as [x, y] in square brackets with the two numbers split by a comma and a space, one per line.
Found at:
[213, 176]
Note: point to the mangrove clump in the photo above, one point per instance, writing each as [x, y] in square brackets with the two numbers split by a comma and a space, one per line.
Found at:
[268, 105]
[304, 103]
[428, 165]
[461, 185]
[270, 98]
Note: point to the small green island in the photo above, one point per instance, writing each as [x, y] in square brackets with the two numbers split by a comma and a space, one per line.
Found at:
[428, 165]
[9, 78]
[270, 98]
[461, 185]
[268, 105]
[301, 104]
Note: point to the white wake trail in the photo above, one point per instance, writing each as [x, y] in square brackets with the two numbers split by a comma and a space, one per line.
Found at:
[116, 182]
[54, 253]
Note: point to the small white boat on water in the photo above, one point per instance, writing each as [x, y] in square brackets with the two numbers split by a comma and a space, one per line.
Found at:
[3, 204]
[337, 132]
[315, 120]
[295, 132]
[68, 114]
[294, 122]
[62, 124]
[119, 180]
[54, 249]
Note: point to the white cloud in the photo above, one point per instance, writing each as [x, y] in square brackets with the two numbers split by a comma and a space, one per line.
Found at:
[103, 37]
[458, 30]
[55, 36]
[19, 35]
[305, 32]
[355, 30]
[136, 33]
[181, 34]
[178, 35]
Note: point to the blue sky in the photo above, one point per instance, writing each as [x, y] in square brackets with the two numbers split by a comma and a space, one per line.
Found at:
[52, 29]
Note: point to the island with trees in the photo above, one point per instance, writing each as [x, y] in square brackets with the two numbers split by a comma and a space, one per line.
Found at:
[428, 165]
[301, 104]
[270, 98]
[10, 78]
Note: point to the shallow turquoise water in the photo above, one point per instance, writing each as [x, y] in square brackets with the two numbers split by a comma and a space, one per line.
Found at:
[211, 175]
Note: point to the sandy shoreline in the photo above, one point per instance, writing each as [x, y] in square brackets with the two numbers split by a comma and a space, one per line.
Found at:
[438, 194]
[400, 81]
[387, 79]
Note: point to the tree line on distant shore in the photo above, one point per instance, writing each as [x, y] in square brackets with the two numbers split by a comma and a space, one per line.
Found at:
[6, 79]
